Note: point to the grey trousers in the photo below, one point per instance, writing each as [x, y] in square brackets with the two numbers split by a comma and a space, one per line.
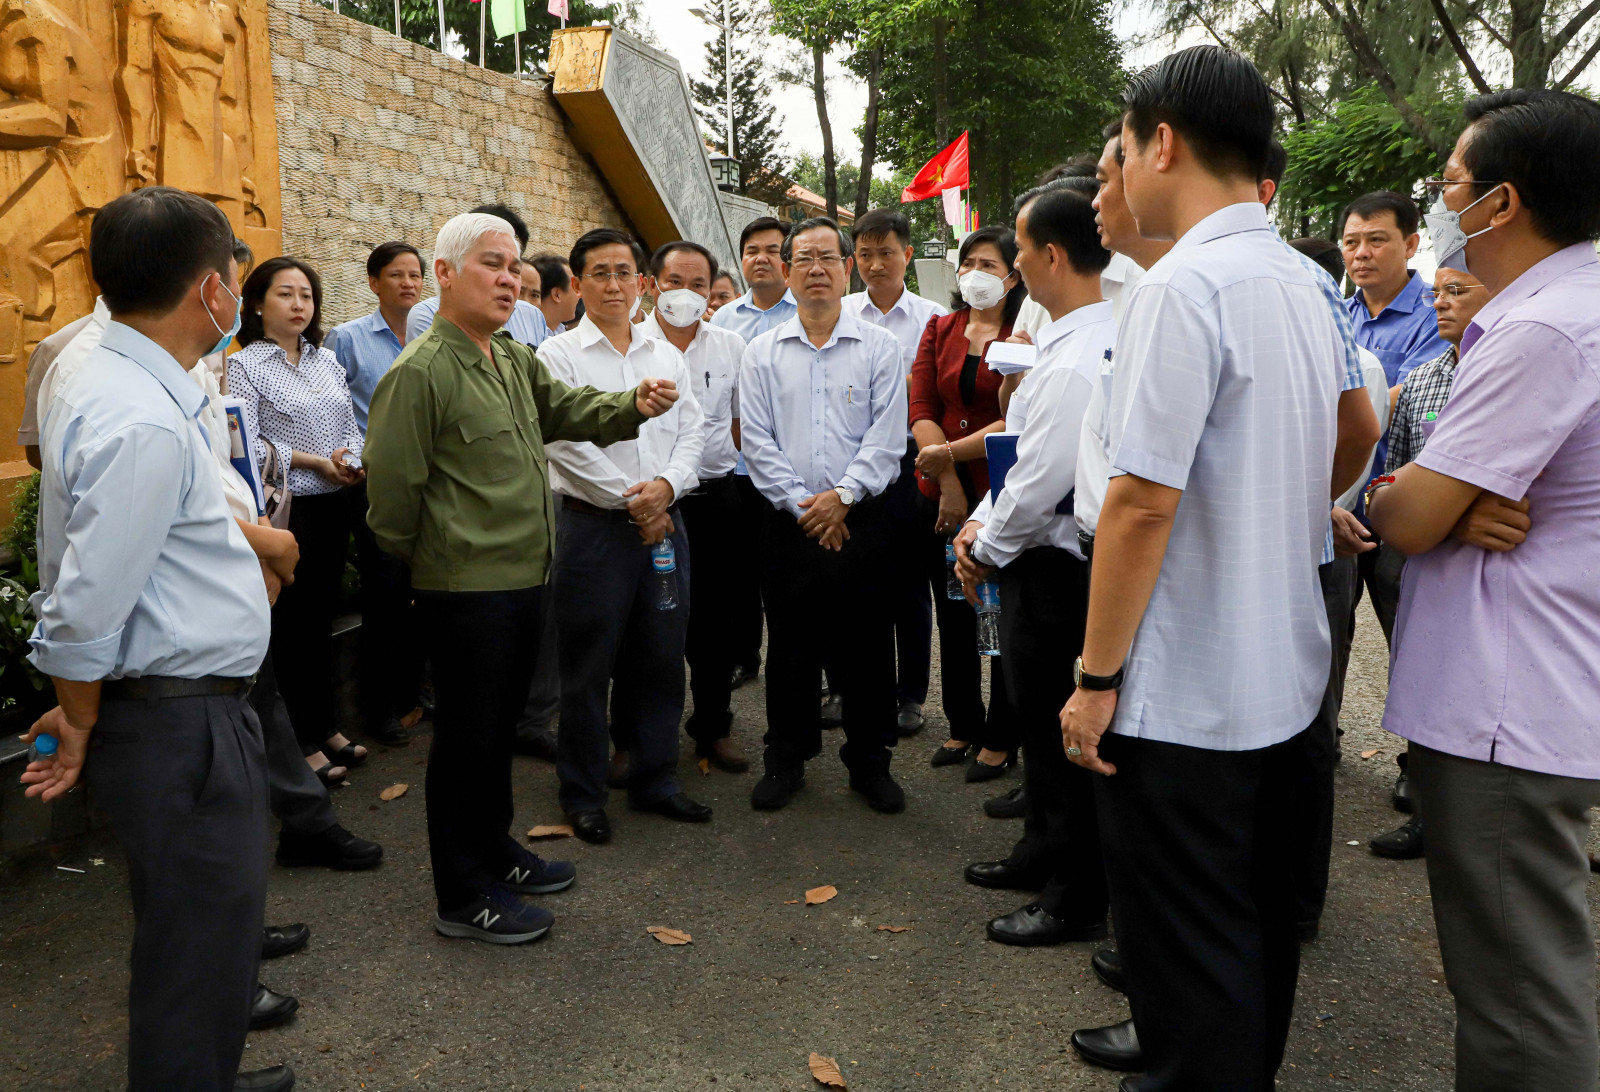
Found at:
[1509, 873]
[183, 783]
[544, 695]
[299, 799]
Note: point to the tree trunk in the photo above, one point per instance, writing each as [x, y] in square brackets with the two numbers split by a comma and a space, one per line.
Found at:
[978, 168]
[830, 177]
[1530, 62]
[869, 134]
[1367, 55]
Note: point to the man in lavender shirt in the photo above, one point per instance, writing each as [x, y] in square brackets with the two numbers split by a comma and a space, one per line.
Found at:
[1496, 675]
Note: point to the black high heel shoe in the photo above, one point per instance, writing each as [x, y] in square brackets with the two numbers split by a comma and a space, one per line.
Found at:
[982, 771]
[950, 756]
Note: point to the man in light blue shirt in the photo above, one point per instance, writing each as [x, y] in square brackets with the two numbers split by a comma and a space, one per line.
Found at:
[822, 404]
[153, 617]
[1206, 649]
[367, 346]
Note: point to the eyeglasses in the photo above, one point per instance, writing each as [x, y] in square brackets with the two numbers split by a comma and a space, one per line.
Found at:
[617, 277]
[1452, 290]
[1441, 183]
[806, 261]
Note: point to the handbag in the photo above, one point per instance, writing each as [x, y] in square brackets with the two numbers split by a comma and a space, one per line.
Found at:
[275, 490]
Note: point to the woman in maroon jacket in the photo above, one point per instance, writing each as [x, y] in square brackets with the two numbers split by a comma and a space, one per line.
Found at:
[955, 402]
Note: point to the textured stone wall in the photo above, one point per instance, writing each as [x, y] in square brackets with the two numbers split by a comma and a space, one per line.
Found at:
[380, 138]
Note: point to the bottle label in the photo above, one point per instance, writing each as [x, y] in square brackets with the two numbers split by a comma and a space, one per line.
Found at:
[988, 596]
[950, 553]
[664, 562]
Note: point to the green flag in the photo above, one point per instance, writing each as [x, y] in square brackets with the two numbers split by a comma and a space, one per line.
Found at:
[510, 17]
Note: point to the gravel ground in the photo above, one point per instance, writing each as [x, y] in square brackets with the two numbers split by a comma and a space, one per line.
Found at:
[600, 1006]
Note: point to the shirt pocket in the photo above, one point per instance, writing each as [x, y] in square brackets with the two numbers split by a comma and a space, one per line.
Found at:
[490, 446]
[719, 398]
[853, 406]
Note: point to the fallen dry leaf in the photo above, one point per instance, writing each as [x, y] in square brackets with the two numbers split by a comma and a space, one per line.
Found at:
[669, 936]
[893, 928]
[791, 902]
[1368, 754]
[705, 766]
[551, 830]
[394, 792]
[826, 1071]
[821, 894]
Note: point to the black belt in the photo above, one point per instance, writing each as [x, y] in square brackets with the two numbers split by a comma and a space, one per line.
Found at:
[573, 504]
[157, 687]
[709, 484]
[1086, 544]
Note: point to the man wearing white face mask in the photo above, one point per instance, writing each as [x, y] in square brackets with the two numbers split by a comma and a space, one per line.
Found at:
[681, 276]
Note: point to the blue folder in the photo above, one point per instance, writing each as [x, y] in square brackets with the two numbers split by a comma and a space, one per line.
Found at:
[1000, 448]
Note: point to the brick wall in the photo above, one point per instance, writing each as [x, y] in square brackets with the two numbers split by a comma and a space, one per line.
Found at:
[380, 138]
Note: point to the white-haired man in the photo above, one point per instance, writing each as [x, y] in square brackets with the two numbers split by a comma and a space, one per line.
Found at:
[458, 489]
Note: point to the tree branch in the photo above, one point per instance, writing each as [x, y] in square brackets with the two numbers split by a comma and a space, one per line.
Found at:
[1582, 63]
[1574, 25]
[1361, 45]
[1505, 43]
[1460, 47]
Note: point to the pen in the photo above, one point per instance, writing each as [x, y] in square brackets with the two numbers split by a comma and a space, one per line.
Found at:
[850, 396]
[708, 381]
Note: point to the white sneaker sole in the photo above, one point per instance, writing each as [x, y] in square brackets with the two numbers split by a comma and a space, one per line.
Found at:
[472, 932]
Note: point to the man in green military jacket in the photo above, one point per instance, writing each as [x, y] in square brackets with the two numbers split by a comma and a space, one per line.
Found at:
[457, 488]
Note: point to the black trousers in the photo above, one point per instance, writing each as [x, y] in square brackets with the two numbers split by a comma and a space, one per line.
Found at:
[822, 603]
[298, 797]
[910, 523]
[746, 591]
[183, 784]
[389, 658]
[302, 622]
[714, 521]
[543, 707]
[1309, 864]
[1044, 603]
[1379, 573]
[960, 665]
[482, 645]
[1194, 844]
[613, 637]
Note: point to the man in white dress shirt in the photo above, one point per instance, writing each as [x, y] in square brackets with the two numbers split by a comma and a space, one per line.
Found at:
[882, 240]
[1206, 650]
[1028, 532]
[822, 416]
[681, 275]
[613, 505]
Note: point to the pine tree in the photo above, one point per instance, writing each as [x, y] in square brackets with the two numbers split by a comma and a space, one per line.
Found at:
[756, 143]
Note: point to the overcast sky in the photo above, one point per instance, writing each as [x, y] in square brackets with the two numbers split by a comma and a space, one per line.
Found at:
[685, 36]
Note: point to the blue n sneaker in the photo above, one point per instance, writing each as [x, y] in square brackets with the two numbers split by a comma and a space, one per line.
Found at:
[531, 874]
[497, 918]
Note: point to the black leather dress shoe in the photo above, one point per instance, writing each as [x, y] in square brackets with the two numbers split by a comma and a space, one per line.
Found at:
[742, 675]
[592, 826]
[1402, 844]
[1107, 964]
[1013, 805]
[679, 807]
[332, 848]
[274, 1078]
[1115, 1046]
[909, 720]
[391, 733]
[881, 791]
[280, 940]
[833, 712]
[535, 743]
[270, 1009]
[1400, 797]
[1035, 927]
[1005, 875]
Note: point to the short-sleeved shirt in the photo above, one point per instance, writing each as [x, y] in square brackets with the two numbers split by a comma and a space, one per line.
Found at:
[1226, 386]
[1404, 335]
[1497, 655]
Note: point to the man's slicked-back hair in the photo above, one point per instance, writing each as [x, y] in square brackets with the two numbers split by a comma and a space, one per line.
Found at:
[553, 271]
[606, 236]
[758, 225]
[658, 260]
[1212, 97]
[1368, 205]
[519, 227]
[461, 233]
[847, 248]
[1062, 215]
[147, 248]
[1325, 253]
[1547, 145]
[882, 224]
[384, 253]
[1079, 166]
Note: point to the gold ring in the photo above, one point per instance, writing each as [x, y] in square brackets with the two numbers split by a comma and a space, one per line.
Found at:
[1074, 751]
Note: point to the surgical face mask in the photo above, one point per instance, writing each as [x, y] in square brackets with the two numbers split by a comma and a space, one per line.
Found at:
[638, 302]
[980, 289]
[1449, 241]
[232, 331]
[681, 306]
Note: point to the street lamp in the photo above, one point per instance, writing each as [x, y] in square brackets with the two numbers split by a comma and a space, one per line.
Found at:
[935, 248]
[726, 26]
[725, 172]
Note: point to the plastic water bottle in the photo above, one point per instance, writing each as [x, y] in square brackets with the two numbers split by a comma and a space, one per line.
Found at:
[664, 559]
[44, 746]
[952, 586]
[989, 618]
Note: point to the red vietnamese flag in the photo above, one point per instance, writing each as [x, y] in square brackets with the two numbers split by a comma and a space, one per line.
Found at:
[945, 171]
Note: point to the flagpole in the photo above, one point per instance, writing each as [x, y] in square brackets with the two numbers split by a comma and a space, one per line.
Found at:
[483, 25]
[397, 18]
[441, 26]
[516, 47]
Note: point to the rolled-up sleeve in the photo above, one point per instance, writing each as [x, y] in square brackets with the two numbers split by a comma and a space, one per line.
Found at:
[126, 488]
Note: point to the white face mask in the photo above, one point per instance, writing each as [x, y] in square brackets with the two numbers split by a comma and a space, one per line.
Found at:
[980, 289]
[1449, 241]
[680, 307]
[638, 302]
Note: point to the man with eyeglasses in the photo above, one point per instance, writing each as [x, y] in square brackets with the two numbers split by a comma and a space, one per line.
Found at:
[614, 506]
[822, 410]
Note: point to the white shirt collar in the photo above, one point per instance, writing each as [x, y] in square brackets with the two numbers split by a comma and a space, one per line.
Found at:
[589, 335]
[1072, 320]
[1228, 220]
[651, 327]
[848, 326]
[903, 303]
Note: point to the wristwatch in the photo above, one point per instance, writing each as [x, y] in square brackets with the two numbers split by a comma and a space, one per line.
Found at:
[846, 497]
[1085, 681]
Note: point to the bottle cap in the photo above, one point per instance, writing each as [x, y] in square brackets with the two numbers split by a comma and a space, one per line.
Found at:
[45, 743]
